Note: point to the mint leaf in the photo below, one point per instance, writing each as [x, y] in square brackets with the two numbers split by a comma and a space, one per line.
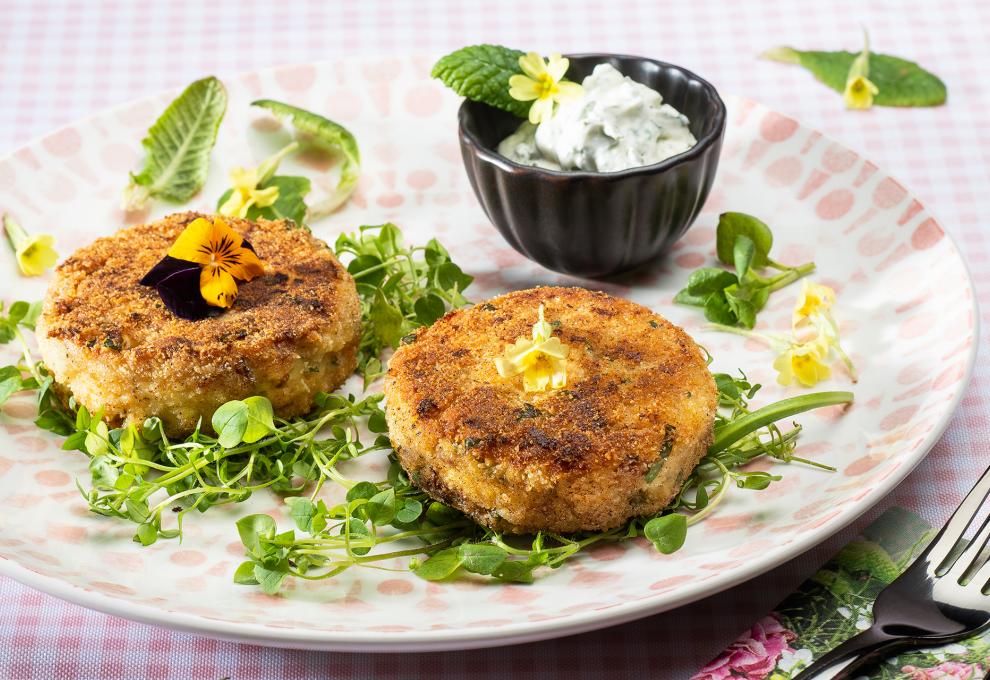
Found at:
[481, 73]
[901, 82]
[178, 146]
[329, 136]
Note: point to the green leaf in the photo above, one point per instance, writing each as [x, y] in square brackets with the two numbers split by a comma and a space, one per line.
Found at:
[481, 558]
[901, 82]
[244, 575]
[683, 297]
[718, 310]
[409, 512]
[481, 73]
[357, 530]
[386, 320]
[260, 419]
[103, 472]
[743, 309]
[734, 224]
[97, 439]
[515, 571]
[743, 251]
[380, 508]
[178, 146]
[301, 510]
[230, 422]
[329, 136]
[361, 490]
[252, 529]
[10, 382]
[146, 534]
[709, 280]
[429, 309]
[449, 276]
[667, 533]
[440, 566]
[270, 580]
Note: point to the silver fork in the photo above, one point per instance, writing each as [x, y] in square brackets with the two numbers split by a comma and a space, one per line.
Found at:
[938, 600]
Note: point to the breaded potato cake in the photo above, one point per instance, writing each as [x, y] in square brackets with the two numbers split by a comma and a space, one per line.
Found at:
[111, 343]
[616, 442]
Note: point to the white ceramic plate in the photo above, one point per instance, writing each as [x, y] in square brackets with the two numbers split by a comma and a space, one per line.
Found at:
[905, 303]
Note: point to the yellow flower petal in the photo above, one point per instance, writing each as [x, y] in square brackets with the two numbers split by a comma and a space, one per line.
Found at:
[532, 64]
[193, 244]
[36, 255]
[265, 197]
[236, 205]
[523, 88]
[541, 110]
[859, 93]
[557, 66]
[540, 360]
[568, 91]
[217, 287]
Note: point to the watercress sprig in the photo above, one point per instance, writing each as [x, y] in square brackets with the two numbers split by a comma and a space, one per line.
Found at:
[733, 298]
[401, 288]
[139, 474]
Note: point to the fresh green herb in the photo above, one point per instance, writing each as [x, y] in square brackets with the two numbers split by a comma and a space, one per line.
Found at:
[178, 146]
[481, 73]
[733, 298]
[401, 288]
[329, 137]
[900, 82]
[25, 375]
[138, 473]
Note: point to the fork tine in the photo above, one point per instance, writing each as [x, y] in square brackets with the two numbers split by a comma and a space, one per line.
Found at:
[967, 559]
[950, 534]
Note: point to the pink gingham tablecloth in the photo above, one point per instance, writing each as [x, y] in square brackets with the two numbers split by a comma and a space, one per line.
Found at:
[60, 61]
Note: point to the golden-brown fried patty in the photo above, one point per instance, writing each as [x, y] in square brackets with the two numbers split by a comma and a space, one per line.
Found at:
[638, 394]
[112, 343]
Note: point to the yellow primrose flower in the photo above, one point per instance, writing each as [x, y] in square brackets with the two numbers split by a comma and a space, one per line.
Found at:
[246, 182]
[542, 83]
[804, 363]
[34, 254]
[860, 90]
[542, 360]
[224, 257]
[815, 299]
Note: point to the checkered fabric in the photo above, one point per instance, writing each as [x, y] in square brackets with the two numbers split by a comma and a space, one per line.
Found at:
[60, 61]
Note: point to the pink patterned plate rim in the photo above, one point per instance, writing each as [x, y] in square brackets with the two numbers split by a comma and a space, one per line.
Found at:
[906, 306]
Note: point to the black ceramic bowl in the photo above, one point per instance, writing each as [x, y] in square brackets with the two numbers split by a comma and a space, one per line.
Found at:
[596, 224]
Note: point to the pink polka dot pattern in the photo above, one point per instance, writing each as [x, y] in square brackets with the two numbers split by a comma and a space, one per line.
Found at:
[915, 353]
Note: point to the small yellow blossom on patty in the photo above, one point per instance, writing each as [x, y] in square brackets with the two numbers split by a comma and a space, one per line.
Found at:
[34, 254]
[542, 83]
[542, 360]
[223, 255]
[860, 90]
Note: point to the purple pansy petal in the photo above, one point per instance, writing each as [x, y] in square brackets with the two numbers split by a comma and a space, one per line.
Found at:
[177, 283]
[166, 267]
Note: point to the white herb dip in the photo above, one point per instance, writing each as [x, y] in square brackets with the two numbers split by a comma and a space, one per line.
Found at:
[616, 125]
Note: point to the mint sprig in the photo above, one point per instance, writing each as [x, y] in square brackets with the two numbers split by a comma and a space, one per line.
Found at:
[481, 73]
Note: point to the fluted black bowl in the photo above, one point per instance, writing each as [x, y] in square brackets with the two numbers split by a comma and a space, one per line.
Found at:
[597, 224]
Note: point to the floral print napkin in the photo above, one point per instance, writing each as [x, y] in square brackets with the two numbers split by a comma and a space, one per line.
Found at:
[836, 603]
